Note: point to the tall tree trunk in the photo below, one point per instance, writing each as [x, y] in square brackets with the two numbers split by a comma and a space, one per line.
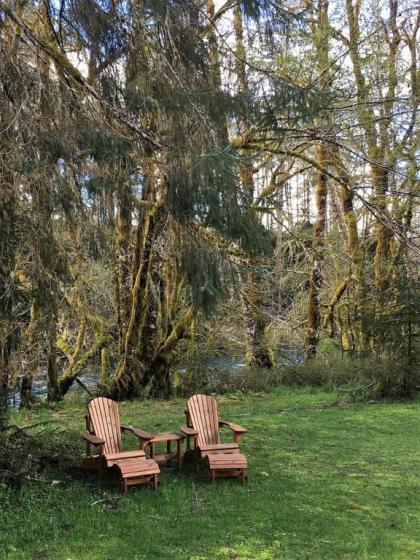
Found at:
[32, 354]
[377, 142]
[314, 314]
[130, 368]
[258, 354]
[7, 262]
[124, 255]
[356, 335]
[321, 35]
[8, 215]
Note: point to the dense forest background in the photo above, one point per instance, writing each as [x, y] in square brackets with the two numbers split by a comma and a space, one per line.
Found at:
[184, 180]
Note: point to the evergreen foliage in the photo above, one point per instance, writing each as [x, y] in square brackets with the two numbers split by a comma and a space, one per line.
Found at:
[168, 162]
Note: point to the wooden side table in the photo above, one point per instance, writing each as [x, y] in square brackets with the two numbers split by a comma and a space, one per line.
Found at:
[168, 438]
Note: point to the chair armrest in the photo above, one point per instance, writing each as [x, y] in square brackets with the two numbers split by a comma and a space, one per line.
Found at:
[191, 435]
[234, 427]
[189, 431]
[141, 434]
[94, 440]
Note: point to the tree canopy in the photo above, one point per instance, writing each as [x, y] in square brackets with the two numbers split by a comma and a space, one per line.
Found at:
[172, 167]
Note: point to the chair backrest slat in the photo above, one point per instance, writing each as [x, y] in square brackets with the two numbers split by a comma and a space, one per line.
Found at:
[105, 421]
[204, 418]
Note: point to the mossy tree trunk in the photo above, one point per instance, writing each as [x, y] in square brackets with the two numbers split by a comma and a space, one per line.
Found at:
[378, 138]
[321, 38]
[7, 262]
[256, 323]
[42, 328]
[47, 286]
[153, 328]
[355, 283]
[130, 369]
[8, 210]
[45, 248]
[123, 252]
[318, 246]
[258, 355]
[32, 354]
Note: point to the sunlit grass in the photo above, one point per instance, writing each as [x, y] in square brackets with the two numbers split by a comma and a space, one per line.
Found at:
[327, 481]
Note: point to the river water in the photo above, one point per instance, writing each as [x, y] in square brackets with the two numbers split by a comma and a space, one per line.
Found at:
[285, 355]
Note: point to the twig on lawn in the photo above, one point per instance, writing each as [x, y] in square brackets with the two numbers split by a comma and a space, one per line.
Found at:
[105, 500]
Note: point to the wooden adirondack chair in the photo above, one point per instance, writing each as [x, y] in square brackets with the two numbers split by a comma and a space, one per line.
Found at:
[203, 424]
[103, 430]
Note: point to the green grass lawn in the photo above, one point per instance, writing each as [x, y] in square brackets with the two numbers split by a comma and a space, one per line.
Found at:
[326, 481]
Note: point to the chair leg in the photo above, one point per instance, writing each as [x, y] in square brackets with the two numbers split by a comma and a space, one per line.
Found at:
[101, 474]
[179, 454]
[212, 476]
[243, 477]
[155, 482]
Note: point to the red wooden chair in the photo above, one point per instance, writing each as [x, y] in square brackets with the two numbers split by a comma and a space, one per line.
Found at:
[103, 430]
[203, 424]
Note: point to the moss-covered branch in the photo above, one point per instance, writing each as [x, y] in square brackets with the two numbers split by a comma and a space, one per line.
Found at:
[76, 80]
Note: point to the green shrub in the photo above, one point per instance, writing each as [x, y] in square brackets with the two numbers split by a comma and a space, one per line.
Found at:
[361, 378]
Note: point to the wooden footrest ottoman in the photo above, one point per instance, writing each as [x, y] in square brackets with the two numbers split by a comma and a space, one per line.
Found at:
[227, 464]
[138, 471]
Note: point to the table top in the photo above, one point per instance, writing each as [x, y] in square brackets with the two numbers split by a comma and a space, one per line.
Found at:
[166, 436]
